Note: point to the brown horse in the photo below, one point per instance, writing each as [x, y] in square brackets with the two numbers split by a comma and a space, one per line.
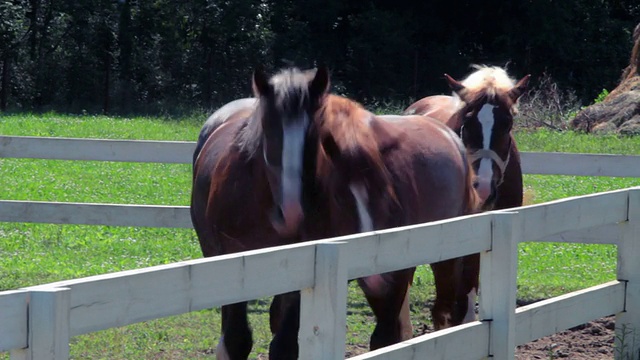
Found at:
[400, 170]
[247, 189]
[481, 111]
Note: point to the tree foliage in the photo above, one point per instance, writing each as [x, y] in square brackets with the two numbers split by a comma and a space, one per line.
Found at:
[157, 55]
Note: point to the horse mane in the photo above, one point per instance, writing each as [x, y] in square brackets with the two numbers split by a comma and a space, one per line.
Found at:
[290, 95]
[488, 83]
[351, 127]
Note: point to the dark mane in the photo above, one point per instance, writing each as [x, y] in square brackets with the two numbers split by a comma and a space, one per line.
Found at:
[290, 96]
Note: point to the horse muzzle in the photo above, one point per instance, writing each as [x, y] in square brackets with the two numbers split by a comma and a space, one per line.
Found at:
[485, 188]
[286, 218]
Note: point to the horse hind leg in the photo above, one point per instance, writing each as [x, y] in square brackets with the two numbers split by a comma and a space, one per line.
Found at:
[236, 340]
[387, 294]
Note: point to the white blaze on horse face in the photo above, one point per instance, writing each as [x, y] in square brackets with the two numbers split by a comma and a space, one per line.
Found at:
[485, 170]
[362, 199]
[293, 135]
[471, 307]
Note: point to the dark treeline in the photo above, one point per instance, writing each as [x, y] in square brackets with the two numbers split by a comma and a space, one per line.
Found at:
[132, 56]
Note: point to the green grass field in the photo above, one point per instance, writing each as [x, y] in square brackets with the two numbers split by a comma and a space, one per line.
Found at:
[33, 254]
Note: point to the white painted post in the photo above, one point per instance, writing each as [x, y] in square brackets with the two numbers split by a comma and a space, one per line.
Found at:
[48, 326]
[627, 339]
[323, 311]
[498, 273]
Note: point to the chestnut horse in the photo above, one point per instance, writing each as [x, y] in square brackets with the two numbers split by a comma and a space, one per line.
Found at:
[400, 170]
[247, 189]
[481, 112]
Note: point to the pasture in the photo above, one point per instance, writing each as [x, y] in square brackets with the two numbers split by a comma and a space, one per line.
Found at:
[33, 254]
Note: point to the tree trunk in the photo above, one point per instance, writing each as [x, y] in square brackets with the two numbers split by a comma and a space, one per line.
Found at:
[4, 88]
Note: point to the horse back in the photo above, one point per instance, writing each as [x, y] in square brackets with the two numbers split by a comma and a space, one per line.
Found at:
[229, 194]
[223, 114]
[429, 166]
[439, 107]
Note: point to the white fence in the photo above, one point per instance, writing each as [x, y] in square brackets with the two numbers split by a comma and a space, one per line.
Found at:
[37, 322]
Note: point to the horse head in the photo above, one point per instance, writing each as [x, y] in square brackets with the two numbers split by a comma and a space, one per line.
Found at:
[486, 103]
[287, 103]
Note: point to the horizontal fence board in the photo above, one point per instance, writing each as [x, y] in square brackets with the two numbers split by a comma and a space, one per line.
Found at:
[566, 311]
[580, 164]
[572, 214]
[13, 319]
[160, 216]
[176, 152]
[127, 297]
[467, 341]
[182, 151]
[409, 246]
[604, 234]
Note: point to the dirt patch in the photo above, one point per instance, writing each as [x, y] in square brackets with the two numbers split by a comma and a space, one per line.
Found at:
[593, 340]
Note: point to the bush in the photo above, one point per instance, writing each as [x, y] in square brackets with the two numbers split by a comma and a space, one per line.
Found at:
[546, 105]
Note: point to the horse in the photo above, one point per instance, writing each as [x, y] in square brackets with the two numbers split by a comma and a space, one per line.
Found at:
[400, 170]
[481, 112]
[247, 187]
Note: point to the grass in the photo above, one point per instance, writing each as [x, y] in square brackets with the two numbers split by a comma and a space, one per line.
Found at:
[33, 254]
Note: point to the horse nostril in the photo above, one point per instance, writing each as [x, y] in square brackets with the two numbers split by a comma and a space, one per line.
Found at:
[476, 184]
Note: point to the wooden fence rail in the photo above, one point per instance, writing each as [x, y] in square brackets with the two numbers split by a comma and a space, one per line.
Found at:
[44, 317]
[180, 152]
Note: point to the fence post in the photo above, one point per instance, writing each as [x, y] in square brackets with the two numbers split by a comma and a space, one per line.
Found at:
[48, 337]
[498, 274]
[323, 308]
[627, 339]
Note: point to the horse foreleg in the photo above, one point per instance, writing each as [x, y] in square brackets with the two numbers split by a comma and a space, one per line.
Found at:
[405, 318]
[236, 340]
[285, 324]
[387, 294]
[447, 275]
[470, 275]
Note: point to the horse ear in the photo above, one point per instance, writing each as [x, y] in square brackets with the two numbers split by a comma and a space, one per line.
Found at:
[260, 83]
[519, 88]
[454, 84]
[320, 83]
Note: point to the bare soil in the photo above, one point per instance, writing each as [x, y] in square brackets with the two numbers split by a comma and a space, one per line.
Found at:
[593, 340]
